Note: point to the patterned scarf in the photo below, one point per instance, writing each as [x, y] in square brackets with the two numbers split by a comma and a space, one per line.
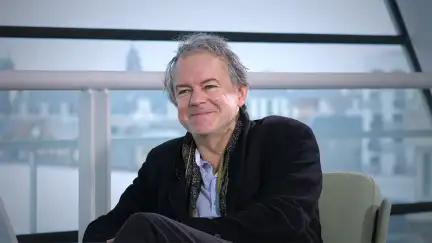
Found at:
[193, 174]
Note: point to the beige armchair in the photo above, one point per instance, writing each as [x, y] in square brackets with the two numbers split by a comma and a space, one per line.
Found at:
[352, 210]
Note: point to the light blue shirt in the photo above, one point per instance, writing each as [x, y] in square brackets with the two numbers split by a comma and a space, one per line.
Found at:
[208, 199]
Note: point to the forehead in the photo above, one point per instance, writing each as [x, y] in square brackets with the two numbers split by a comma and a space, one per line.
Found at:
[200, 66]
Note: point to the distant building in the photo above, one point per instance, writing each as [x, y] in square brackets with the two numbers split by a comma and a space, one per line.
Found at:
[133, 60]
[339, 143]
[6, 63]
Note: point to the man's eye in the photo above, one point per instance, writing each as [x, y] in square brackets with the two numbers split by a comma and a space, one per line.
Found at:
[210, 86]
[183, 91]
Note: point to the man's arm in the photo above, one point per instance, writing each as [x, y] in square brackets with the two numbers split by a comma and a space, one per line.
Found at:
[134, 199]
[291, 187]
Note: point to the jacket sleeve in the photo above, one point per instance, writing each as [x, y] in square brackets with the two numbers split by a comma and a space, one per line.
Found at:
[287, 208]
[134, 199]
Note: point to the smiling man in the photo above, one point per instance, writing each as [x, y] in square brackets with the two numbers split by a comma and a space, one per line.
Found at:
[229, 179]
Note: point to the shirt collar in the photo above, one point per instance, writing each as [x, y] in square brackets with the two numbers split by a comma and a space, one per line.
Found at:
[200, 162]
[198, 159]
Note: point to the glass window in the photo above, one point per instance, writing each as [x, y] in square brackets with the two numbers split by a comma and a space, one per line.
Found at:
[306, 16]
[38, 162]
[98, 55]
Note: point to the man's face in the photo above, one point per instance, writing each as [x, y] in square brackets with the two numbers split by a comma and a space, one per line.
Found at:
[207, 100]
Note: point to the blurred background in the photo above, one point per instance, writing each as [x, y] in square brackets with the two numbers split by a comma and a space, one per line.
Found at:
[383, 132]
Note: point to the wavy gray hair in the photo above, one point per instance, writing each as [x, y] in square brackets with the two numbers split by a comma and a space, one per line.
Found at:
[213, 44]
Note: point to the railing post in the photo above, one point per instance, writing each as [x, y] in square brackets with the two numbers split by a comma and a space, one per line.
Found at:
[94, 145]
[102, 148]
[87, 158]
[33, 192]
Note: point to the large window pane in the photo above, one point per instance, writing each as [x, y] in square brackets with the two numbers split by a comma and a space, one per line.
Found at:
[45, 54]
[306, 16]
[384, 133]
[38, 159]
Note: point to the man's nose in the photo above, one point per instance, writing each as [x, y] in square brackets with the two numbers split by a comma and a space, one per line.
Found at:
[197, 97]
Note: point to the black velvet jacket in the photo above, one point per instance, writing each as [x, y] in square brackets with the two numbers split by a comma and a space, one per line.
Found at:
[274, 186]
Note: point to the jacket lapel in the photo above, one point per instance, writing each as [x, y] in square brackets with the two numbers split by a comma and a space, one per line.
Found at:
[237, 166]
[177, 195]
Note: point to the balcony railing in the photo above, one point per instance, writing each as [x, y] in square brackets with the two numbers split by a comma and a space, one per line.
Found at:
[106, 80]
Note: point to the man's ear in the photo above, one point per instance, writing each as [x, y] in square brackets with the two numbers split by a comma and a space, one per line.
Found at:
[242, 95]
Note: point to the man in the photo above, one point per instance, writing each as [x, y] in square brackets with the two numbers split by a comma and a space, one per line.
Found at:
[229, 179]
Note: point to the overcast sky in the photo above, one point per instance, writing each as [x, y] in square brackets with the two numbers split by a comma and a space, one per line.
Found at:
[294, 16]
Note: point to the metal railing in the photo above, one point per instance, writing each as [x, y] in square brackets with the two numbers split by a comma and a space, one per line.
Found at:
[83, 80]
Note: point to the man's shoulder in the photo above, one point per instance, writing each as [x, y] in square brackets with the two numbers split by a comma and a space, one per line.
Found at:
[164, 154]
[284, 137]
[168, 147]
[282, 125]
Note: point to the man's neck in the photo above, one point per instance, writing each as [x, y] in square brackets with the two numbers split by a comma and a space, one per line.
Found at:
[212, 146]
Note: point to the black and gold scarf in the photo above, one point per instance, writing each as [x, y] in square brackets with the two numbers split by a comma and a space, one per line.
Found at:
[193, 174]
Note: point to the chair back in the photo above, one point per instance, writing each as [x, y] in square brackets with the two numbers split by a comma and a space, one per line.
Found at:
[350, 209]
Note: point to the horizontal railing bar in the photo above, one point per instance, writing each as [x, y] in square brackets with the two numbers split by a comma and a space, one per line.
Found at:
[98, 80]
[133, 141]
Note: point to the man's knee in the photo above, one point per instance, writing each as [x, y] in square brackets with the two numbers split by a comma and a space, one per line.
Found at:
[138, 226]
[143, 218]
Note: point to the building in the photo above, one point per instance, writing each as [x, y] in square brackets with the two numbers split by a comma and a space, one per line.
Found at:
[6, 63]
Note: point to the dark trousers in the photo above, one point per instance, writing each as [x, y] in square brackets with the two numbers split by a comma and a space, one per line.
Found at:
[155, 228]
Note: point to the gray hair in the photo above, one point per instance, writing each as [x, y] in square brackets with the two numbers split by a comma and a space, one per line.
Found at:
[213, 44]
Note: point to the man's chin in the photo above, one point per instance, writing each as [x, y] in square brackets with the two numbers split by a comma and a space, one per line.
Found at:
[202, 131]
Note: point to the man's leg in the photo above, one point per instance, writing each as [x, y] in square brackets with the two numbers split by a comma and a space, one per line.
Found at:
[155, 228]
